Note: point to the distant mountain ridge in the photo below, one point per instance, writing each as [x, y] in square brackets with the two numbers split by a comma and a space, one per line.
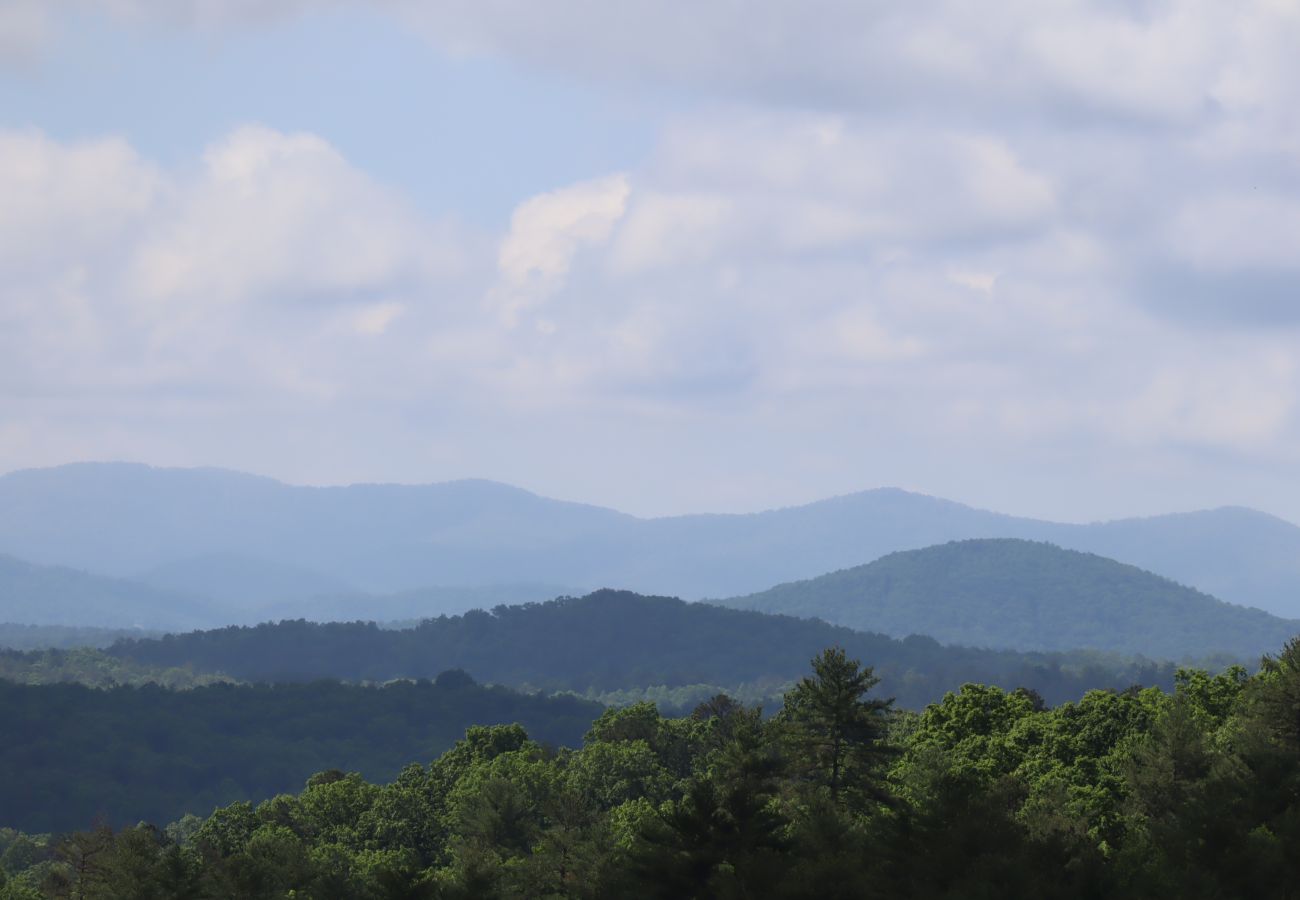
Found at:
[49, 606]
[56, 595]
[126, 519]
[1027, 595]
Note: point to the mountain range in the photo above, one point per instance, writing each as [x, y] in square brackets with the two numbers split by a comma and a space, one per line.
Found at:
[173, 528]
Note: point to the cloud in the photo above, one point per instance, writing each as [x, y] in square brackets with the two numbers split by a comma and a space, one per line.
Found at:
[1156, 61]
[871, 239]
[546, 232]
[25, 29]
[798, 183]
[121, 275]
[282, 217]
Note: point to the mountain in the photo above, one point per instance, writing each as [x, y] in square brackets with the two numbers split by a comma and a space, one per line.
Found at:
[1027, 595]
[241, 582]
[611, 641]
[56, 595]
[124, 519]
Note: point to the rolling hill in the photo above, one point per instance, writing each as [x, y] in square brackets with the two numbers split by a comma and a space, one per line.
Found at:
[611, 641]
[129, 520]
[1027, 595]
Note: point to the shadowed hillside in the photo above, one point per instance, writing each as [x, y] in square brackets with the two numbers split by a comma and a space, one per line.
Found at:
[615, 640]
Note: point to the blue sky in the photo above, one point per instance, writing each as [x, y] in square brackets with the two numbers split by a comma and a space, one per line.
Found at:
[665, 257]
[448, 131]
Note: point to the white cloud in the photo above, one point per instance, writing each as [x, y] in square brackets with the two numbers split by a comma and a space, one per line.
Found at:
[118, 275]
[546, 232]
[871, 238]
[282, 217]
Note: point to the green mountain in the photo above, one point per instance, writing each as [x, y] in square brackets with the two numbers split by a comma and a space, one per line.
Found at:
[1027, 595]
[615, 641]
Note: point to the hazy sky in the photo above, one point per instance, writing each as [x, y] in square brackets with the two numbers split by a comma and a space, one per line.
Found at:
[663, 256]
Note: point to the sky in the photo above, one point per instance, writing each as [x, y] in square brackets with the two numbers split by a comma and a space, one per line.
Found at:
[662, 256]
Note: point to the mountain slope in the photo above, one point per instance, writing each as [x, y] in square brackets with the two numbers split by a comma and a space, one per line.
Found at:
[123, 519]
[241, 582]
[54, 595]
[1030, 596]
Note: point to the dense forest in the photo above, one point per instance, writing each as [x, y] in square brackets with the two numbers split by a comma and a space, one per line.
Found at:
[1131, 794]
[94, 668]
[612, 641]
[72, 754]
[1027, 595]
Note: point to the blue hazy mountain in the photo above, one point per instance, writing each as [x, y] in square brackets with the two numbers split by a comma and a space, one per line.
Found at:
[56, 595]
[1027, 595]
[126, 519]
[242, 582]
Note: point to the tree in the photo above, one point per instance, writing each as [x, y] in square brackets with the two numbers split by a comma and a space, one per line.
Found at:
[1277, 695]
[835, 727]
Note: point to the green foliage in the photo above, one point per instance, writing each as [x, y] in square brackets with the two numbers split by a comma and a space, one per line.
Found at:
[986, 794]
[1027, 595]
[837, 730]
[94, 668]
[72, 754]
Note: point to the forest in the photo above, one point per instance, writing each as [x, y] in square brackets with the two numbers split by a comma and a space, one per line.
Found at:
[1139, 793]
[1027, 595]
[73, 755]
[617, 641]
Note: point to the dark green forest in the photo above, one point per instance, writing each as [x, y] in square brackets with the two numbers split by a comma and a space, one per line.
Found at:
[1027, 595]
[72, 755]
[986, 794]
[612, 641]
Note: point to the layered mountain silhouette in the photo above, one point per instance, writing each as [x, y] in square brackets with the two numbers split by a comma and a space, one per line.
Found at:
[1027, 595]
[57, 595]
[168, 525]
[59, 606]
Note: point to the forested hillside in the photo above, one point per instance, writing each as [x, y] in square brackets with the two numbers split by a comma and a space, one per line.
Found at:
[614, 640]
[1028, 596]
[73, 755]
[93, 668]
[1138, 794]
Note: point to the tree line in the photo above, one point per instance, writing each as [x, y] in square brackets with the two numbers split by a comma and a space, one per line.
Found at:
[1138, 793]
